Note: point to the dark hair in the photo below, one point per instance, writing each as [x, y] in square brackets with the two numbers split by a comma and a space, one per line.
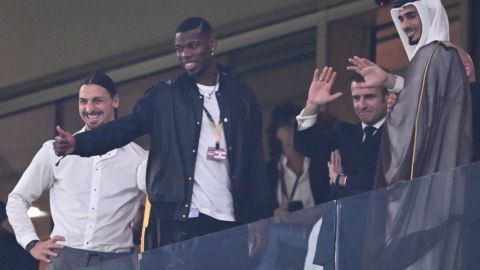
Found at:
[356, 77]
[3, 211]
[193, 23]
[281, 115]
[103, 80]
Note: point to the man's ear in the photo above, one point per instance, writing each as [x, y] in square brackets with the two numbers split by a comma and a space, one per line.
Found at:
[213, 43]
[116, 102]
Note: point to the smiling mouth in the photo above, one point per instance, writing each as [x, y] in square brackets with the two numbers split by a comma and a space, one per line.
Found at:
[189, 65]
[92, 116]
[410, 32]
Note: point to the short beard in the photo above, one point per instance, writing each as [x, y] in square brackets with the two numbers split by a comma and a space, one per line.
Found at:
[413, 42]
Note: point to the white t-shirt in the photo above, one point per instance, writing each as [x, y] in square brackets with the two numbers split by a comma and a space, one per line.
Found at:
[212, 194]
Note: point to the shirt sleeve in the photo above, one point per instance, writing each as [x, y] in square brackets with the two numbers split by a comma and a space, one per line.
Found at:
[305, 122]
[37, 178]
[142, 176]
[399, 84]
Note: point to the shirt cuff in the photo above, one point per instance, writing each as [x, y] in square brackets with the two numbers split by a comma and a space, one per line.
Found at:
[399, 84]
[27, 238]
[305, 122]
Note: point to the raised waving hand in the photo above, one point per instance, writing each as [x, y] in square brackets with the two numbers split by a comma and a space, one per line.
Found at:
[319, 92]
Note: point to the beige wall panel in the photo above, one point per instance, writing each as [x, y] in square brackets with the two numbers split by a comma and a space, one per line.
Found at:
[286, 83]
[69, 115]
[391, 55]
[69, 34]
[347, 37]
[22, 135]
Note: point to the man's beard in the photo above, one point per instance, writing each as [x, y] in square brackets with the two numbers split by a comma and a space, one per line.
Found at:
[413, 42]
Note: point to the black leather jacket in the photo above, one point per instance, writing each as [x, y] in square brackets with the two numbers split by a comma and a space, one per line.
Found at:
[172, 114]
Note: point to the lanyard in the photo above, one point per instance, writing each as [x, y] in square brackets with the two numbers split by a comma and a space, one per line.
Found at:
[284, 184]
[218, 128]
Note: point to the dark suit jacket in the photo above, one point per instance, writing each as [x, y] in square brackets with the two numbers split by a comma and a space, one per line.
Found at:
[358, 160]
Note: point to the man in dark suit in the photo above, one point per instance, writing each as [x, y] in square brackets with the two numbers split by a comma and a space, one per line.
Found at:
[353, 151]
[353, 148]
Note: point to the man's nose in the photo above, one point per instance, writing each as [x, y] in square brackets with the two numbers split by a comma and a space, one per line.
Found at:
[362, 104]
[90, 107]
[185, 53]
[405, 24]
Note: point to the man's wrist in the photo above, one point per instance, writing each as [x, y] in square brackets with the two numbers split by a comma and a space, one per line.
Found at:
[310, 109]
[30, 245]
[395, 83]
[341, 179]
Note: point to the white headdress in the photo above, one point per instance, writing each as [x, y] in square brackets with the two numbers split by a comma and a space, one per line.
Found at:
[435, 24]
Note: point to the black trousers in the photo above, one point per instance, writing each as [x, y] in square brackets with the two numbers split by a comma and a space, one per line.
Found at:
[182, 247]
[172, 231]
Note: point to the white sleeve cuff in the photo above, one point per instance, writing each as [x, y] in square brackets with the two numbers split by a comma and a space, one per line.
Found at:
[305, 122]
[27, 238]
[399, 84]
[142, 176]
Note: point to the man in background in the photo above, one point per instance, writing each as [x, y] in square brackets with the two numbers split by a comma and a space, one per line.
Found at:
[12, 255]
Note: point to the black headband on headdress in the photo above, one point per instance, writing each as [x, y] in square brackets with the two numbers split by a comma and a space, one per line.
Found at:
[399, 3]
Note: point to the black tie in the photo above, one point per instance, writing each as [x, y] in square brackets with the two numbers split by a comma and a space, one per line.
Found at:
[369, 130]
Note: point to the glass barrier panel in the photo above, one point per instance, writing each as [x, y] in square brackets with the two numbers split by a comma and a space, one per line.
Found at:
[432, 222]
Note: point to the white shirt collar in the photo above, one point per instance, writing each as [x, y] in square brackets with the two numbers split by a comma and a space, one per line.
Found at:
[376, 125]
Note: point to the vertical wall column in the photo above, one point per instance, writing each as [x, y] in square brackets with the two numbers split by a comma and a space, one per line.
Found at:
[322, 45]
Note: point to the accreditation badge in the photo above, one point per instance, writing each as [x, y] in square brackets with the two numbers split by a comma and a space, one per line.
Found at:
[217, 154]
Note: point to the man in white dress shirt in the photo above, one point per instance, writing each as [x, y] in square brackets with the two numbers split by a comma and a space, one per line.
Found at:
[93, 200]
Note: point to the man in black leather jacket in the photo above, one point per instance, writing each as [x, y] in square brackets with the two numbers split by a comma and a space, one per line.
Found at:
[206, 170]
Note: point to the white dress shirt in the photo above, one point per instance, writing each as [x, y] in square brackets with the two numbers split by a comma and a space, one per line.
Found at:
[93, 201]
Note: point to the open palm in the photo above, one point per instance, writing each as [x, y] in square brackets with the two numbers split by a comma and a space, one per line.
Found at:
[319, 92]
[373, 74]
